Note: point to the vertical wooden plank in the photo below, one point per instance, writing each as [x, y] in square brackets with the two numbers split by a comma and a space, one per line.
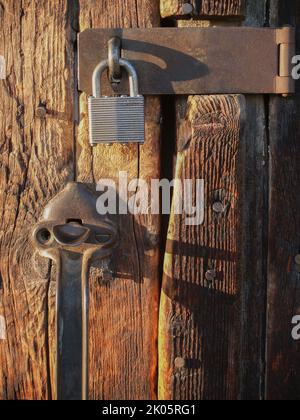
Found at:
[36, 161]
[212, 319]
[125, 290]
[253, 234]
[283, 355]
[199, 344]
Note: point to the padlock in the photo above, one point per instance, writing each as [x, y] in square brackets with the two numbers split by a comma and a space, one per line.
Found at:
[119, 119]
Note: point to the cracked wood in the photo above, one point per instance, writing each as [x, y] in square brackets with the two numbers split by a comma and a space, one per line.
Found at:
[36, 161]
[198, 321]
[125, 290]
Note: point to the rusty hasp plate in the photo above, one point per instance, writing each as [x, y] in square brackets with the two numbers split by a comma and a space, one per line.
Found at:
[185, 61]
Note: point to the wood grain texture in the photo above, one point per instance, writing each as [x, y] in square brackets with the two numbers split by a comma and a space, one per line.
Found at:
[283, 355]
[36, 161]
[202, 8]
[124, 290]
[243, 378]
[253, 234]
[199, 319]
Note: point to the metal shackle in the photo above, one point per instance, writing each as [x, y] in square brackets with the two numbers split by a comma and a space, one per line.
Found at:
[133, 77]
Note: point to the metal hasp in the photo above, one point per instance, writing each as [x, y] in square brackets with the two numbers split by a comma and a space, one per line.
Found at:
[192, 61]
[114, 57]
[73, 234]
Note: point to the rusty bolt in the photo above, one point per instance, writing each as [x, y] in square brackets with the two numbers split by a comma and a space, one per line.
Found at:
[297, 259]
[179, 363]
[211, 275]
[218, 207]
[41, 111]
[187, 8]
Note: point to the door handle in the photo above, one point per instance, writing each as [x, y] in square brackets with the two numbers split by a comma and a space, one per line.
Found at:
[73, 235]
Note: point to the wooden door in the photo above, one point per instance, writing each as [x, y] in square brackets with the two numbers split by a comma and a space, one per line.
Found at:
[177, 312]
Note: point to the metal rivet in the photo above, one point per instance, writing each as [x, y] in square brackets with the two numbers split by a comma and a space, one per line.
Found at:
[187, 8]
[210, 275]
[179, 363]
[218, 207]
[41, 111]
[297, 259]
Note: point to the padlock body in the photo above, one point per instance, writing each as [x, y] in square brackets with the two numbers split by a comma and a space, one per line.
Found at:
[117, 119]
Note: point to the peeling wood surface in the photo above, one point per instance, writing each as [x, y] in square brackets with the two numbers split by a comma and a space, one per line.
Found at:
[202, 8]
[125, 290]
[36, 161]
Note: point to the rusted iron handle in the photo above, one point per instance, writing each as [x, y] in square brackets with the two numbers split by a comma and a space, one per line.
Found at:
[69, 335]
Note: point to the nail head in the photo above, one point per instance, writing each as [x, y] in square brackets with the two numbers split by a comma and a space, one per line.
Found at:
[179, 363]
[218, 207]
[187, 8]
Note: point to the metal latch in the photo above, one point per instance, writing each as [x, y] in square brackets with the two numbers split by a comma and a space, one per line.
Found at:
[72, 233]
[187, 61]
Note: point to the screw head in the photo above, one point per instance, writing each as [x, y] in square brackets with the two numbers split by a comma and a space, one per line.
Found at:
[187, 8]
[179, 363]
[297, 259]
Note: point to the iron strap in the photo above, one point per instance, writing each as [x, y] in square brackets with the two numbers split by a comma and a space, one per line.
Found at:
[186, 61]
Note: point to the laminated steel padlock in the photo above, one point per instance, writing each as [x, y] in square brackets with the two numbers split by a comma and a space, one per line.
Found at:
[119, 119]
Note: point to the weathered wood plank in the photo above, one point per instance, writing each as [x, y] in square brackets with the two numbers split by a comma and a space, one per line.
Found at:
[125, 290]
[225, 346]
[198, 322]
[283, 355]
[202, 8]
[36, 161]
